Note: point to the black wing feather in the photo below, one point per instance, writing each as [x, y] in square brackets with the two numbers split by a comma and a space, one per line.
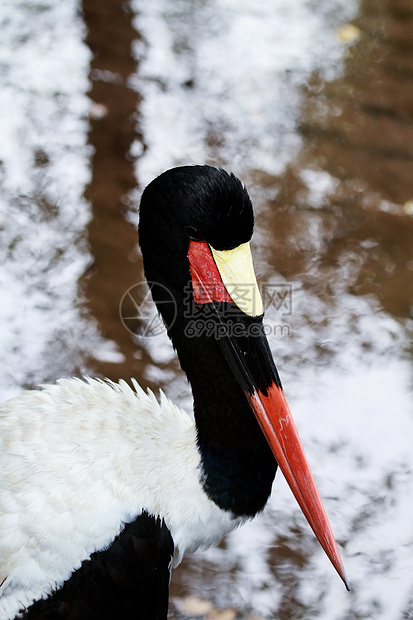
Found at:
[128, 580]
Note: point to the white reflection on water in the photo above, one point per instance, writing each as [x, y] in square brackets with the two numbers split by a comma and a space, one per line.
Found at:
[220, 78]
[44, 168]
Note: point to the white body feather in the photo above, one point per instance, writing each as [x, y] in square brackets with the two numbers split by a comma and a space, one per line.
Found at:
[77, 461]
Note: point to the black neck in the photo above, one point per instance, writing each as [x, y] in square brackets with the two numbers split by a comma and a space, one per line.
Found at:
[238, 465]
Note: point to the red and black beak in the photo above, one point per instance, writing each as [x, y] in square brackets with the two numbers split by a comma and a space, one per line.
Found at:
[214, 279]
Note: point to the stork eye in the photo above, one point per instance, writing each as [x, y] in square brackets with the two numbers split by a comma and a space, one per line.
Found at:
[193, 233]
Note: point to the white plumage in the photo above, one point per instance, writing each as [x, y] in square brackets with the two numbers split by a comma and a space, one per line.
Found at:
[78, 460]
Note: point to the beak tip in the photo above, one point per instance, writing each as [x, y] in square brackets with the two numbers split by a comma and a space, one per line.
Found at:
[338, 565]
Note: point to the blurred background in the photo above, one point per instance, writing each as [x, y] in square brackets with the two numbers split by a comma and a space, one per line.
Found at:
[311, 104]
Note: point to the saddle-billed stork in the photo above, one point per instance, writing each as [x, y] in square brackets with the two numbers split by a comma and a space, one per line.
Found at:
[103, 488]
